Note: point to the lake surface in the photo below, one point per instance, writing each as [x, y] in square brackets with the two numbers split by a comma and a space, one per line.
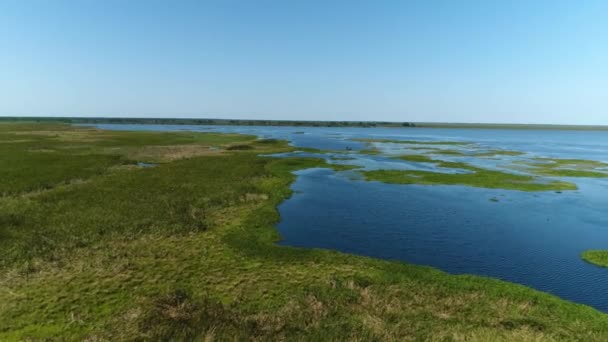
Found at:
[530, 238]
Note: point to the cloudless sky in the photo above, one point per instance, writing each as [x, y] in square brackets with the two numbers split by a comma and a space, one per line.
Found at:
[543, 61]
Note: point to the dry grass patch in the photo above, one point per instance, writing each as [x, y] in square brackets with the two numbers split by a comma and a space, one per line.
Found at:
[171, 152]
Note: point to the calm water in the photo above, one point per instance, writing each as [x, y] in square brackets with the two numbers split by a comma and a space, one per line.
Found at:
[533, 239]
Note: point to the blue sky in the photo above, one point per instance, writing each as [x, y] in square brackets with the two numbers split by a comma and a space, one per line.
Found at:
[443, 61]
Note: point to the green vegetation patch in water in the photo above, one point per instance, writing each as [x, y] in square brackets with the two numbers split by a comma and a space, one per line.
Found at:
[411, 142]
[498, 153]
[481, 178]
[373, 151]
[491, 153]
[567, 167]
[596, 257]
[417, 158]
[308, 163]
[448, 152]
[424, 148]
[478, 177]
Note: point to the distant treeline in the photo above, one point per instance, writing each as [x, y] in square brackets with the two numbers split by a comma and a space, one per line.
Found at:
[229, 122]
[169, 121]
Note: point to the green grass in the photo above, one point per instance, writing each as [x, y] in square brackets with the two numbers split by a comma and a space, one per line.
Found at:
[477, 177]
[186, 251]
[37, 157]
[596, 257]
[448, 152]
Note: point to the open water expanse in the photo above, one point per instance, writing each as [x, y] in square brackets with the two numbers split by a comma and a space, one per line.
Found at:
[530, 238]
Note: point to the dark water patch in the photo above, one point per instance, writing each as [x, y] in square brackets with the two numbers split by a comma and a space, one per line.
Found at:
[531, 239]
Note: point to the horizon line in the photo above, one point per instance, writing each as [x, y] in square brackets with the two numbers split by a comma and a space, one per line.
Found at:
[4, 117]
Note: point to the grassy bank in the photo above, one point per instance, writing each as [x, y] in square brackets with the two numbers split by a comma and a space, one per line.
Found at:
[108, 250]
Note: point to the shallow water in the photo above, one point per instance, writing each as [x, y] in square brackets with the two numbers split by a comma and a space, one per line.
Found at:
[146, 165]
[533, 239]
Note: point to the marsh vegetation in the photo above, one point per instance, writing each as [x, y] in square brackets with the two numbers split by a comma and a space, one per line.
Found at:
[94, 247]
[473, 176]
[527, 178]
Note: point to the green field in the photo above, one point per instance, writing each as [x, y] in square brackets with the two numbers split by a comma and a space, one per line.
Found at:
[95, 247]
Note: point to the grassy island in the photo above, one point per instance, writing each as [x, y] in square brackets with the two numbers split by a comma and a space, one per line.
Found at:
[480, 178]
[568, 167]
[474, 176]
[596, 257]
[430, 147]
[95, 247]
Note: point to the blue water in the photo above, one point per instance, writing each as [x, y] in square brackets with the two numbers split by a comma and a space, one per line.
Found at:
[533, 239]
